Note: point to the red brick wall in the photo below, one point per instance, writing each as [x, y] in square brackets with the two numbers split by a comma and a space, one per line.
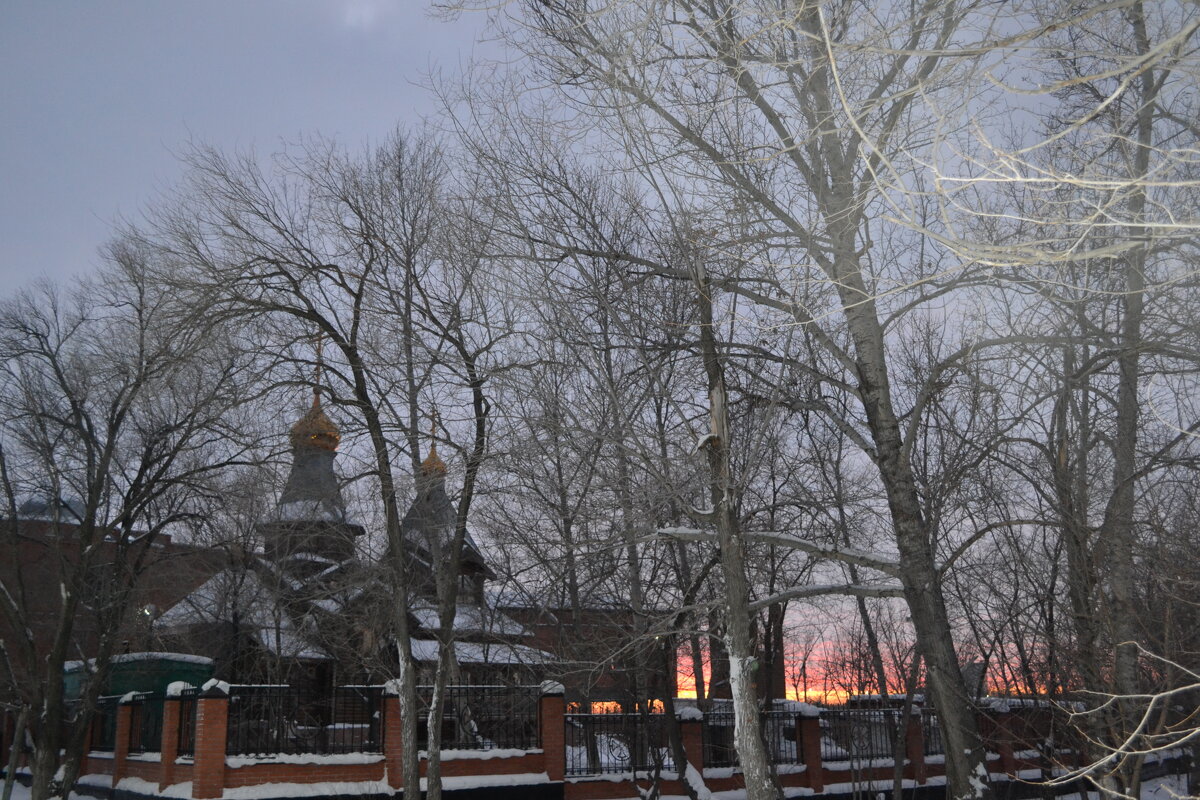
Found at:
[273, 772]
[554, 748]
[208, 765]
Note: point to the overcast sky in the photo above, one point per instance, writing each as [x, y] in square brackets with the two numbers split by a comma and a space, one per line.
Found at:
[97, 97]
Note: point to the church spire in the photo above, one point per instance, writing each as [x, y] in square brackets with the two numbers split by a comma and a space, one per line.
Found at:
[433, 466]
[315, 429]
[312, 490]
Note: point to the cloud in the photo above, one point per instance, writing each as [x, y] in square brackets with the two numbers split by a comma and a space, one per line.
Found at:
[365, 15]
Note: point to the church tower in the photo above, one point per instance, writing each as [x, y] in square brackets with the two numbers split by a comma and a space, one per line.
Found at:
[310, 535]
[428, 527]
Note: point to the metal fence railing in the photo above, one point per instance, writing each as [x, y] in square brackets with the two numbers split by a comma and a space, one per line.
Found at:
[186, 732]
[72, 708]
[104, 724]
[782, 736]
[780, 730]
[931, 731]
[855, 734]
[145, 723]
[597, 744]
[266, 720]
[484, 717]
[717, 736]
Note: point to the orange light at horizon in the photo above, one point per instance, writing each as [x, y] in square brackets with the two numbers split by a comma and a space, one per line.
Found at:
[823, 677]
[833, 697]
[822, 687]
[685, 684]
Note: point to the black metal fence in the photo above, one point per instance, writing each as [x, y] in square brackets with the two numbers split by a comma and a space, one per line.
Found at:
[484, 717]
[265, 720]
[717, 735]
[613, 743]
[186, 732]
[104, 724]
[145, 723]
[931, 730]
[780, 730]
[856, 734]
[72, 708]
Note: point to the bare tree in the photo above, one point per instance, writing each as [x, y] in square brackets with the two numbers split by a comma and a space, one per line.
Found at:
[116, 413]
[350, 248]
[1100, 266]
[789, 115]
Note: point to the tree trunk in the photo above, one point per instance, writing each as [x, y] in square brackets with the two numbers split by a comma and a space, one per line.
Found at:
[756, 769]
[1120, 539]
[14, 752]
[966, 774]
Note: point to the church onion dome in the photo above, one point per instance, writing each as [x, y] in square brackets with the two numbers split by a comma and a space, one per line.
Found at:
[433, 466]
[315, 429]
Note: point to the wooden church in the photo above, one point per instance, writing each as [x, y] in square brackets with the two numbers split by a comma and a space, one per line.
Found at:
[307, 606]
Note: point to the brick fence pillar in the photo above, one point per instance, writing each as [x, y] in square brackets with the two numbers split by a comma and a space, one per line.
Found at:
[995, 726]
[914, 746]
[808, 731]
[169, 749]
[212, 720]
[552, 724]
[691, 731]
[121, 744]
[393, 740]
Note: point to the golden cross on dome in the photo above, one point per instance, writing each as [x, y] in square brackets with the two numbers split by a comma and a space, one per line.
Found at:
[319, 366]
[315, 429]
[433, 464]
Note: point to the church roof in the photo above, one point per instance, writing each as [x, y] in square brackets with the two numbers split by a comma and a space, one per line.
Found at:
[59, 508]
[482, 653]
[315, 429]
[432, 513]
[241, 594]
[470, 620]
[313, 492]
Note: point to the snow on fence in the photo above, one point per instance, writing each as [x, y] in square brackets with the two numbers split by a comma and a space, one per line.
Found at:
[265, 720]
[523, 733]
[484, 717]
[598, 744]
[284, 719]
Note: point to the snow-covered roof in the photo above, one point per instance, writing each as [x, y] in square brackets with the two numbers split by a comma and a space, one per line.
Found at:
[481, 653]
[124, 658]
[284, 640]
[68, 509]
[471, 619]
[216, 599]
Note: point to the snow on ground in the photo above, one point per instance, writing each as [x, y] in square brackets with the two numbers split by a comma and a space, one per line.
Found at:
[1171, 787]
[1165, 788]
